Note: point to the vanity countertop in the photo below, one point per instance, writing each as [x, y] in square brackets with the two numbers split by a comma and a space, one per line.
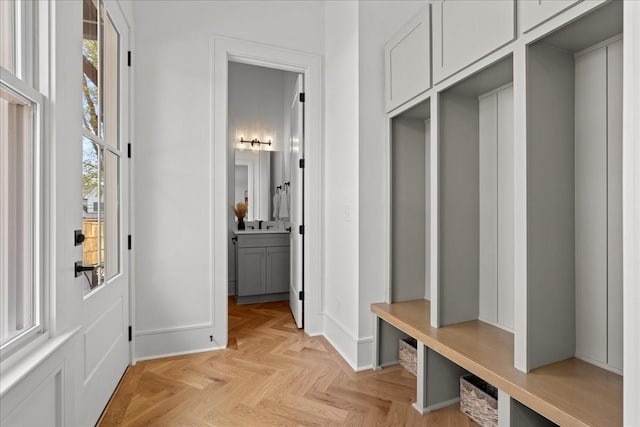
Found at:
[261, 231]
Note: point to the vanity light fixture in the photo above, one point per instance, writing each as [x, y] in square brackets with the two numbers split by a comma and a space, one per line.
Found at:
[254, 141]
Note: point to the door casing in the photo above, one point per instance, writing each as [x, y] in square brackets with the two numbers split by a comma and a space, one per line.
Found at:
[310, 65]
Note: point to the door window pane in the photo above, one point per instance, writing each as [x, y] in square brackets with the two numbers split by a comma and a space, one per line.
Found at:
[18, 293]
[92, 66]
[101, 144]
[92, 228]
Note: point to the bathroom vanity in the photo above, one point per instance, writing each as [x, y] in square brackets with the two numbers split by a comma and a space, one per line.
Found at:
[262, 269]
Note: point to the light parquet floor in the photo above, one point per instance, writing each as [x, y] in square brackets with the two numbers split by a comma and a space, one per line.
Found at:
[270, 374]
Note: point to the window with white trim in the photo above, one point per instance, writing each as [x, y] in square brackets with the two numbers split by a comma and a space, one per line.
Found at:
[21, 178]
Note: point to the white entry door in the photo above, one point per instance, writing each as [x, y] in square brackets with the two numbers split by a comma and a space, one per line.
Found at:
[104, 268]
[296, 192]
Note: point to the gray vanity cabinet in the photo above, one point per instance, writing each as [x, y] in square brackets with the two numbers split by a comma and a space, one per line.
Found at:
[277, 269]
[251, 271]
[263, 267]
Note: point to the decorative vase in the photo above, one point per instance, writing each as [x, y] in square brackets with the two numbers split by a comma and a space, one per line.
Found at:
[240, 223]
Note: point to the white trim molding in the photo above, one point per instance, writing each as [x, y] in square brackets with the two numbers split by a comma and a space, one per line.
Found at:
[225, 50]
[180, 353]
[365, 353]
[631, 212]
[344, 342]
[357, 352]
[48, 376]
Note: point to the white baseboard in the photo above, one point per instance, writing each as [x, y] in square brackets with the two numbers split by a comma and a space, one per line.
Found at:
[435, 407]
[365, 353]
[341, 340]
[357, 352]
[179, 353]
[178, 341]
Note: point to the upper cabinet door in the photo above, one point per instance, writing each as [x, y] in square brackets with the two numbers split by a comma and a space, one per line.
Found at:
[464, 31]
[534, 13]
[407, 57]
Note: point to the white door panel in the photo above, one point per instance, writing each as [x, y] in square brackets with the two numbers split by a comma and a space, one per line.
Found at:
[105, 302]
[296, 194]
[69, 376]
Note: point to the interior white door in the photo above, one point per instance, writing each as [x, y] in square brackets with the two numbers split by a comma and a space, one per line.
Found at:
[296, 192]
[105, 283]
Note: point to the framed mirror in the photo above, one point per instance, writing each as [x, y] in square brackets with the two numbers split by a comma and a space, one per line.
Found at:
[258, 174]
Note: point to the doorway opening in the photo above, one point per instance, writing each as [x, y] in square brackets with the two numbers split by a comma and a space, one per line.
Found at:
[265, 135]
[227, 52]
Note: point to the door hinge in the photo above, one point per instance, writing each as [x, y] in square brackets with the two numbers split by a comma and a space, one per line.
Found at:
[130, 334]
[301, 96]
[301, 229]
[129, 241]
[129, 150]
[129, 58]
[301, 295]
[301, 163]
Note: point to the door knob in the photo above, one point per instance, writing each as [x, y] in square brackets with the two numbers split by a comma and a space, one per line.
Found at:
[78, 237]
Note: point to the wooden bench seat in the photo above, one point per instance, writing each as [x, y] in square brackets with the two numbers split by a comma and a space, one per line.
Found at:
[571, 392]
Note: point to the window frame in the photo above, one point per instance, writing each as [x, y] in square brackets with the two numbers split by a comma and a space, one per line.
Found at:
[25, 23]
[25, 83]
[103, 147]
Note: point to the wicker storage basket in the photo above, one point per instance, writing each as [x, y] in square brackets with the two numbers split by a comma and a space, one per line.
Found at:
[479, 400]
[407, 355]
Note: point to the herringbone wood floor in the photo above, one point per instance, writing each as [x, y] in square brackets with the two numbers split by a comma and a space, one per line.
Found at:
[270, 374]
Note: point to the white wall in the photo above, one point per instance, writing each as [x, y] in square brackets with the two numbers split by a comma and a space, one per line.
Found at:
[378, 21]
[355, 34]
[255, 97]
[341, 177]
[173, 139]
[173, 122]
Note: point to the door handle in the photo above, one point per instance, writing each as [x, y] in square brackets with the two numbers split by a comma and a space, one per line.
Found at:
[79, 268]
[288, 229]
